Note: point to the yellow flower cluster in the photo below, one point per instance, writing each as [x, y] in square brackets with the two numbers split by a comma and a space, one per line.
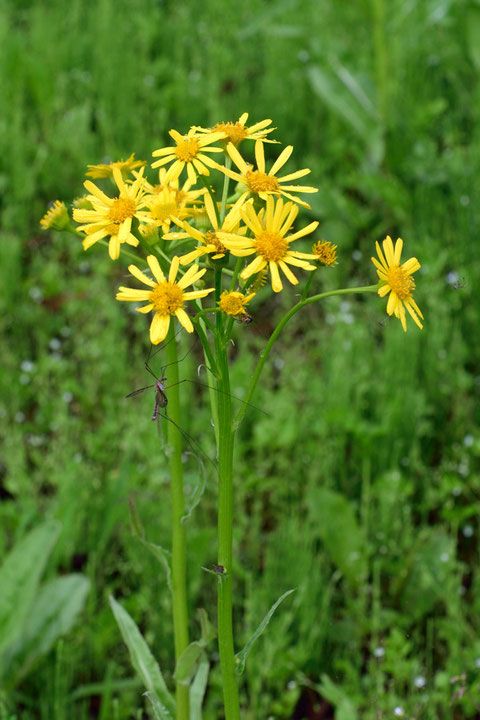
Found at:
[255, 221]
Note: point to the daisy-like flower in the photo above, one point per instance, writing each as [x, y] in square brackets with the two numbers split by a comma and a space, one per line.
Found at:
[56, 217]
[233, 303]
[166, 201]
[106, 170]
[259, 183]
[189, 151]
[166, 297]
[237, 131]
[270, 241]
[210, 244]
[325, 252]
[397, 280]
[111, 216]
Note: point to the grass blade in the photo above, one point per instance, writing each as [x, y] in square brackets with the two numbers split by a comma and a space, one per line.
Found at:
[241, 657]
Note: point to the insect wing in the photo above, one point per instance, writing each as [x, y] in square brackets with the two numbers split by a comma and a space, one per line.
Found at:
[140, 390]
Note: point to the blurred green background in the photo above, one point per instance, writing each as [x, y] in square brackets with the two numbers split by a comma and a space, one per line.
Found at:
[361, 489]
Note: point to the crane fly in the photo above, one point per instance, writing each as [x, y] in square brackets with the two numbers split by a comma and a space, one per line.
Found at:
[160, 396]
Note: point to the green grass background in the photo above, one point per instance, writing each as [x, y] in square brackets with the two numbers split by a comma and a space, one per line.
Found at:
[361, 489]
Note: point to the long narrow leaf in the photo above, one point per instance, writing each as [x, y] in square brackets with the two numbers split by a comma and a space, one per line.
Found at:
[19, 578]
[187, 661]
[197, 690]
[54, 612]
[141, 657]
[241, 657]
[160, 711]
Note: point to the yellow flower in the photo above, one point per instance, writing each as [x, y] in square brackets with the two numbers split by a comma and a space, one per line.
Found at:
[209, 241]
[259, 183]
[237, 131]
[233, 303]
[167, 201]
[125, 167]
[166, 297]
[269, 241]
[56, 217]
[111, 216]
[325, 252]
[189, 151]
[397, 280]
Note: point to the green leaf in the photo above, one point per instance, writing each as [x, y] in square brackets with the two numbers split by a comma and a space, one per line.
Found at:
[163, 556]
[431, 575]
[342, 101]
[197, 493]
[241, 657]
[337, 526]
[209, 633]
[187, 661]
[160, 712]
[53, 614]
[197, 690]
[344, 708]
[19, 579]
[141, 657]
[135, 521]
[472, 26]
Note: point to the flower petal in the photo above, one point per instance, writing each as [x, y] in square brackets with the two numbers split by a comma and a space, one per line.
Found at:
[275, 275]
[159, 328]
[184, 320]
[154, 266]
[281, 160]
[137, 273]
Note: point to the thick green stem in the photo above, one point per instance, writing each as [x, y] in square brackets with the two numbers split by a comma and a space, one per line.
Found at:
[179, 562]
[225, 529]
[278, 330]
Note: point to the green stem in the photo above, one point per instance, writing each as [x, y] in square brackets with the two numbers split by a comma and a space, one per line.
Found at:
[225, 536]
[278, 330]
[179, 563]
[226, 183]
[381, 58]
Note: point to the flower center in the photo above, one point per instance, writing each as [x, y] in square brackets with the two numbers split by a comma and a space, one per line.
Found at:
[211, 239]
[166, 298]
[163, 211]
[401, 283]
[234, 131]
[261, 182]
[232, 304]
[271, 246]
[122, 209]
[187, 150]
[326, 252]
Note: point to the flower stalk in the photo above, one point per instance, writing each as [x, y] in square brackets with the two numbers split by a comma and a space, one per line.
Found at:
[177, 497]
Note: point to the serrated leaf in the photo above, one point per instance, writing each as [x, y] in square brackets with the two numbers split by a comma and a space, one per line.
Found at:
[187, 661]
[53, 614]
[141, 657]
[197, 690]
[19, 578]
[160, 712]
[241, 657]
